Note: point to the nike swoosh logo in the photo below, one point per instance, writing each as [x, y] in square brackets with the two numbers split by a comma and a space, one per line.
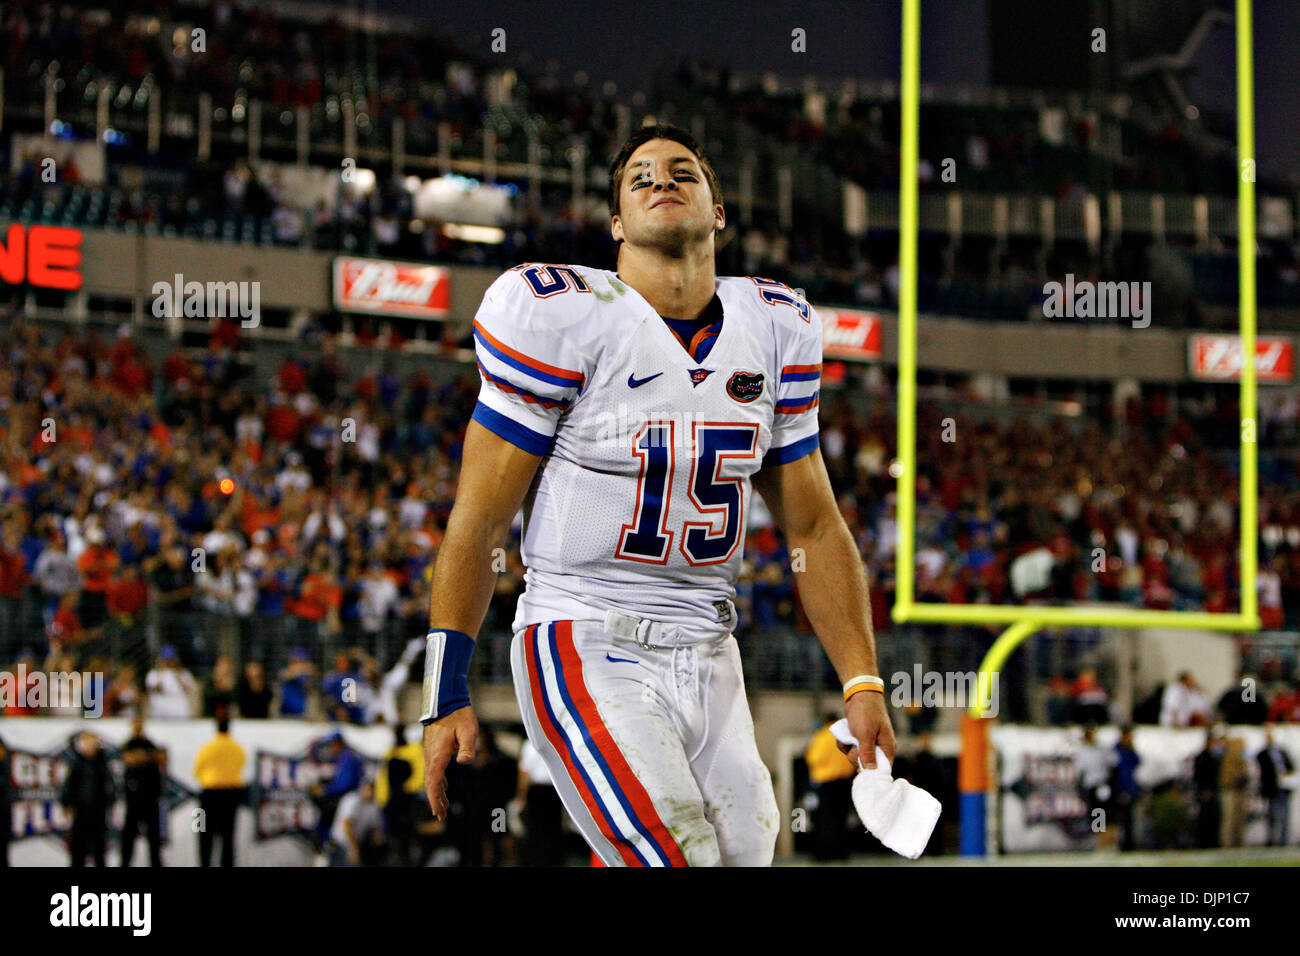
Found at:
[621, 660]
[634, 382]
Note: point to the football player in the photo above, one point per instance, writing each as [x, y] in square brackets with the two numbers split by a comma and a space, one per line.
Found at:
[629, 413]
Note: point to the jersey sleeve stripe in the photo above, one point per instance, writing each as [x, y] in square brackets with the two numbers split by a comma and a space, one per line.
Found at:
[793, 406]
[531, 397]
[793, 451]
[801, 373]
[515, 359]
[521, 436]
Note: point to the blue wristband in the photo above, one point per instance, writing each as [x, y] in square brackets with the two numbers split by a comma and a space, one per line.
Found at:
[446, 674]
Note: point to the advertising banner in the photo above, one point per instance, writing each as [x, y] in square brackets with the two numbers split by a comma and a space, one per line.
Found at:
[1053, 794]
[849, 334]
[380, 287]
[1217, 358]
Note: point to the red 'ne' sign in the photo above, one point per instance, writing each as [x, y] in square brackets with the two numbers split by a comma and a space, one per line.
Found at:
[48, 257]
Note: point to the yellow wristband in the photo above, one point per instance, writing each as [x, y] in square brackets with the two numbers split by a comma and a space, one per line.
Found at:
[853, 682]
[860, 688]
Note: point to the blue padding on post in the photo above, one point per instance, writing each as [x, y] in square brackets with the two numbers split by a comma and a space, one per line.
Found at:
[973, 808]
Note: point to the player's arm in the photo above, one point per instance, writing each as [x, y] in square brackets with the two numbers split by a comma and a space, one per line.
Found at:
[833, 587]
[494, 478]
[531, 373]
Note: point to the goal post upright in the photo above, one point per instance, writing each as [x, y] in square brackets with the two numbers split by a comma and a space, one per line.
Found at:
[1246, 301]
[975, 771]
[909, 160]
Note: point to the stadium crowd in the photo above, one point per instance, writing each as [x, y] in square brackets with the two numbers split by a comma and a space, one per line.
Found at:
[273, 537]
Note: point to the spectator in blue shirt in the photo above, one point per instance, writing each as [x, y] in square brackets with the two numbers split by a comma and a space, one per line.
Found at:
[295, 681]
[1125, 788]
[272, 585]
[981, 554]
[341, 689]
[141, 543]
[348, 767]
[349, 771]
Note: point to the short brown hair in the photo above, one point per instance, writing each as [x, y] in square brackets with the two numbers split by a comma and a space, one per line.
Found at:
[643, 136]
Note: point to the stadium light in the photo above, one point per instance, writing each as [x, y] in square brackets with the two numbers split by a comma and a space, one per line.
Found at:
[472, 233]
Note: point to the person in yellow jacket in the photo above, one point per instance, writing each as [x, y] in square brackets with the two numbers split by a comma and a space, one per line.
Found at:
[831, 775]
[219, 768]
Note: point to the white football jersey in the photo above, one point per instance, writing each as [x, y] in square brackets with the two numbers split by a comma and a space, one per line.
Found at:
[641, 496]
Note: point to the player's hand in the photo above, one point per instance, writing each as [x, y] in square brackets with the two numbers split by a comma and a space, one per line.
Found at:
[869, 723]
[457, 734]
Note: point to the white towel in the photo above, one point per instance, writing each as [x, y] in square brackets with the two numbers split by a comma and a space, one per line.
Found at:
[897, 813]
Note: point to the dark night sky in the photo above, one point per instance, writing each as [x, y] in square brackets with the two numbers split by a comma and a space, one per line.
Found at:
[623, 42]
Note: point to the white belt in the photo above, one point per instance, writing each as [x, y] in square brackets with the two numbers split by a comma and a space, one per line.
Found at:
[633, 628]
[647, 633]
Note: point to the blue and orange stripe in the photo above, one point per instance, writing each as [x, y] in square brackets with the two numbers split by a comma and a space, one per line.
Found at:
[531, 397]
[793, 406]
[801, 373]
[632, 794]
[632, 797]
[551, 374]
[555, 734]
[696, 348]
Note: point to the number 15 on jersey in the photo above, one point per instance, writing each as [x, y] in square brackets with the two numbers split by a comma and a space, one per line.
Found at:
[717, 499]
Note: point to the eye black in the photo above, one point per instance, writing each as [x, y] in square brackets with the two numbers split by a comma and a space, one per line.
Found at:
[645, 179]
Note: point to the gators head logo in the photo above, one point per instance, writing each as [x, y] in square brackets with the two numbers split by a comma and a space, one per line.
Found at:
[745, 387]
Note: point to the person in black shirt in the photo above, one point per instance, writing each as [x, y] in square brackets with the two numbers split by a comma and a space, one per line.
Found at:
[1237, 706]
[254, 695]
[929, 772]
[88, 792]
[172, 579]
[1274, 765]
[1205, 777]
[399, 811]
[144, 763]
[486, 785]
[220, 688]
